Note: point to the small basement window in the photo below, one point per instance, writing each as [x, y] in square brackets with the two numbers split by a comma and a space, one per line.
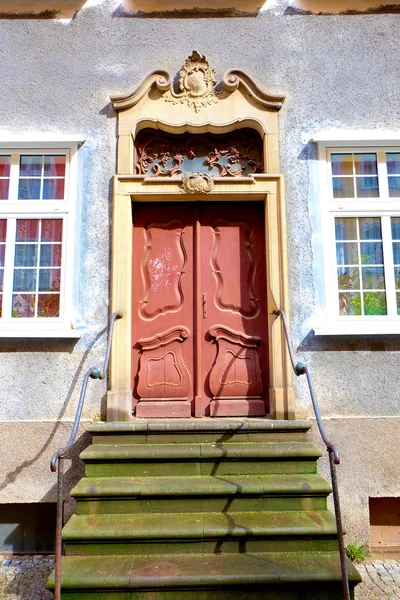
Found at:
[384, 516]
[27, 528]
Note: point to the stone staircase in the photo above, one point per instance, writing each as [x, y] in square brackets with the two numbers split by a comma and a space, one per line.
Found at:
[202, 509]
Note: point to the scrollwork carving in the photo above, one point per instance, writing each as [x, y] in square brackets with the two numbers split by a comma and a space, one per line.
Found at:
[236, 154]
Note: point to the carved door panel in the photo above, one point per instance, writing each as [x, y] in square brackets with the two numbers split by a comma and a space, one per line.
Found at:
[234, 320]
[199, 326]
[162, 328]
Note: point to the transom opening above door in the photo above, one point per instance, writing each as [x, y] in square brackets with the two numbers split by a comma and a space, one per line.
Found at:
[235, 154]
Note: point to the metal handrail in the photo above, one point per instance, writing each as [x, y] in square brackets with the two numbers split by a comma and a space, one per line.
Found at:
[300, 368]
[57, 460]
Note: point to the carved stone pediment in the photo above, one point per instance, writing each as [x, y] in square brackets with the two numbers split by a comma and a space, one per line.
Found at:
[197, 87]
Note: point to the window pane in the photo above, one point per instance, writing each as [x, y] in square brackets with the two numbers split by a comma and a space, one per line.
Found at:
[24, 280]
[2, 254]
[346, 229]
[48, 305]
[375, 303]
[29, 189]
[398, 303]
[370, 228]
[393, 163]
[26, 255]
[343, 187]
[50, 255]
[49, 280]
[396, 253]
[350, 303]
[5, 162]
[53, 189]
[373, 278]
[367, 187]
[27, 230]
[395, 221]
[4, 187]
[366, 164]
[397, 277]
[23, 305]
[347, 253]
[394, 186]
[348, 278]
[54, 166]
[371, 253]
[30, 165]
[3, 230]
[1, 305]
[52, 230]
[1, 279]
[342, 164]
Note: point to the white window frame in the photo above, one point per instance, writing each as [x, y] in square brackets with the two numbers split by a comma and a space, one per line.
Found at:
[328, 321]
[57, 327]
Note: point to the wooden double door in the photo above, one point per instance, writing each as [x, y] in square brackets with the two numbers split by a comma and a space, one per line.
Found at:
[199, 319]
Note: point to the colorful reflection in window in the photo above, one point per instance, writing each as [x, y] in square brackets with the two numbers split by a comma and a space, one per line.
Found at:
[41, 177]
[355, 175]
[3, 233]
[395, 226]
[5, 164]
[37, 268]
[360, 269]
[393, 171]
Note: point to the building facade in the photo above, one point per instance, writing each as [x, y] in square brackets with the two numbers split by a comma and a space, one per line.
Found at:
[317, 88]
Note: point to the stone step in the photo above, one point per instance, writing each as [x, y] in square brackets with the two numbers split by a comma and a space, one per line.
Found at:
[153, 431]
[194, 532]
[199, 459]
[287, 576]
[201, 493]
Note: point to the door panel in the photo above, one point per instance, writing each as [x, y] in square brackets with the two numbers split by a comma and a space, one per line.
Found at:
[162, 328]
[234, 330]
[199, 310]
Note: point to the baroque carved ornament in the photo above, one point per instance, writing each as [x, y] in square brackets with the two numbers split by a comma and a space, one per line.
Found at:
[196, 83]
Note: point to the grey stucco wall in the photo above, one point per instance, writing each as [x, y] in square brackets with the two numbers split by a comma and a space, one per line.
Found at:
[336, 72]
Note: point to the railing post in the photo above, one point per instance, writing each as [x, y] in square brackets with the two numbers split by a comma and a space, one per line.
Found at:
[57, 460]
[334, 456]
[59, 525]
[339, 527]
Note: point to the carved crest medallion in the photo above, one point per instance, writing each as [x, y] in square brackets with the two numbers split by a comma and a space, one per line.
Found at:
[197, 183]
[196, 83]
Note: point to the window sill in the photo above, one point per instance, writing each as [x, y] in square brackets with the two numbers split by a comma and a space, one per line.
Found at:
[41, 333]
[360, 328]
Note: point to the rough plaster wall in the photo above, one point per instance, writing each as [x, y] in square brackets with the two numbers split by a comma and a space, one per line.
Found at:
[335, 71]
[369, 467]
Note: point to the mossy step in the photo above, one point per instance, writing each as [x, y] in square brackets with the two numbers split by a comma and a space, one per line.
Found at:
[141, 431]
[194, 532]
[194, 525]
[200, 459]
[278, 485]
[92, 573]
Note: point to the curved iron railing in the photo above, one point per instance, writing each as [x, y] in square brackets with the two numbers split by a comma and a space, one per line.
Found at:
[300, 368]
[57, 460]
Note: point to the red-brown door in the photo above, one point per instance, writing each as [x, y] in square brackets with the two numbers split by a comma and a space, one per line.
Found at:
[199, 326]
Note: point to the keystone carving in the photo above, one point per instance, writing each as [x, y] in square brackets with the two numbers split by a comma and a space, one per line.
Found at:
[197, 183]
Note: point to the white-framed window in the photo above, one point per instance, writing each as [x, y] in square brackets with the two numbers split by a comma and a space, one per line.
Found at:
[360, 236]
[37, 222]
